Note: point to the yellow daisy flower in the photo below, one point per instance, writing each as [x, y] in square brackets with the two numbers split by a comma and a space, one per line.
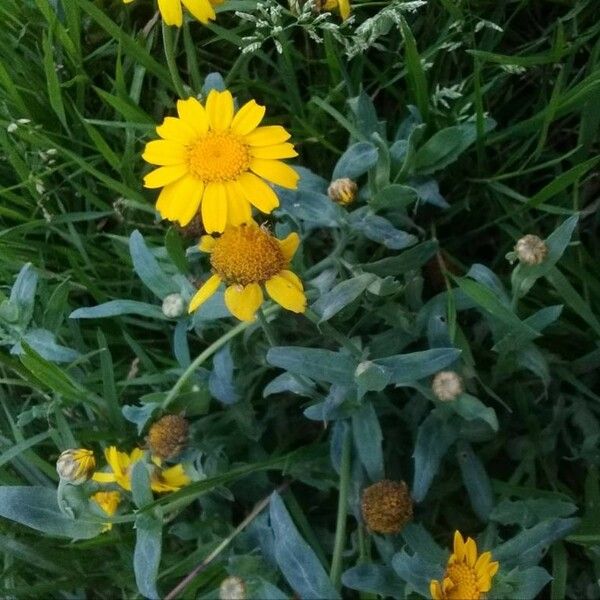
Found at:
[467, 576]
[245, 258]
[219, 161]
[342, 5]
[121, 463]
[172, 10]
[108, 502]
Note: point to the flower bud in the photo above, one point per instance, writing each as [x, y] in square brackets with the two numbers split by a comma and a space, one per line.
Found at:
[343, 191]
[173, 306]
[387, 506]
[447, 385]
[232, 588]
[168, 436]
[76, 466]
[531, 250]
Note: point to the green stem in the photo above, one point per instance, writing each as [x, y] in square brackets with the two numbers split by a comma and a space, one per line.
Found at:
[340, 527]
[266, 327]
[169, 45]
[330, 331]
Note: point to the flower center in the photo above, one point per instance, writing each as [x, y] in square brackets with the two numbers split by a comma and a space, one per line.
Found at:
[218, 156]
[465, 582]
[247, 254]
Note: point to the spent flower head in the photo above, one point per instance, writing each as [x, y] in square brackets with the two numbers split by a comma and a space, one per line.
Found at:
[167, 436]
[217, 161]
[246, 258]
[173, 306]
[232, 588]
[468, 576]
[76, 465]
[387, 506]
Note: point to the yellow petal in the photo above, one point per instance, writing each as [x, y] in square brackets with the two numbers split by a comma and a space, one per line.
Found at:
[171, 12]
[164, 175]
[219, 108]
[238, 208]
[493, 568]
[292, 278]
[243, 302]
[459, 546]
[285, 150]
[484, 584]
[275, 171]
[286, 293]
[471, 552]
[207, 243]
[114, 458]
[248, 118]
[200, 9]
[179, 201]
[259, 193]
[104, 477]
[208, 288]
[135, 455]
[214, 208]
[289, 245]
[193, 114]
[169, 480]
[344, 8]
[267, 136]
[435, 590]
[176, 130]
[164, 152]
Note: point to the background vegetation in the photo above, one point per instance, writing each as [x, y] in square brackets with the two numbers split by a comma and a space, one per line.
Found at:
[82, 85]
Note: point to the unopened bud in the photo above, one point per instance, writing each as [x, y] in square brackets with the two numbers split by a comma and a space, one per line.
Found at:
[173, 306]
[447, 385]
[387, 506]
[76, 466]
[343, 191]
[232, 588]
[531, 250]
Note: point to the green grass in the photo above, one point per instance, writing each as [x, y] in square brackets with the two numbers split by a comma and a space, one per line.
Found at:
[92, 78]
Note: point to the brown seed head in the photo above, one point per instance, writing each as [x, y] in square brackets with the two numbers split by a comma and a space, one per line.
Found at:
[168, 436]
[387, 506]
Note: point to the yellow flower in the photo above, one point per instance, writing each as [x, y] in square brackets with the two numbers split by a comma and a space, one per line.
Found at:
[467, 576]
[76, 465]
[108, 502]
[342, 5]
[121, 463]
[172, 10]
[245, 258]
[216, 161]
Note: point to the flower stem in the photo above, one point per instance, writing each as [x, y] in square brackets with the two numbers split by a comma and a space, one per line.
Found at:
[169, 45]
[340, 529]
[330, 331]
[187, 374]
[266, 327]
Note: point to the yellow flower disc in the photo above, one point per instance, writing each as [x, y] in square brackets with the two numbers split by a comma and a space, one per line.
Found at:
[218, 156]
[247, 254]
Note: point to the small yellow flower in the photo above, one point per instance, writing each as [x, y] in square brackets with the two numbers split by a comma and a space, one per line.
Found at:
[246, 258]
[121, 464]
[467, 576]
[172, 10]
[218, 161]
[76, 465]
[342, 5]
[108, 502]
